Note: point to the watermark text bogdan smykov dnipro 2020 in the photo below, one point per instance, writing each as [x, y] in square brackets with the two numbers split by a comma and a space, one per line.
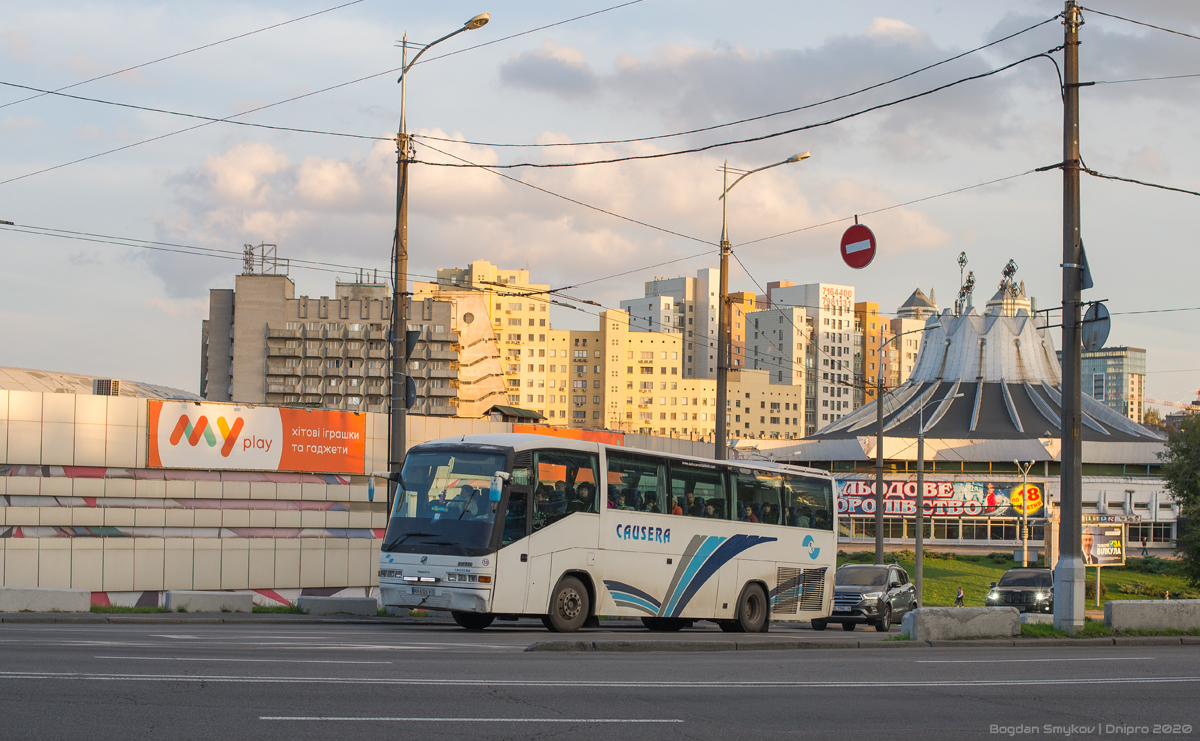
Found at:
[1095, 729]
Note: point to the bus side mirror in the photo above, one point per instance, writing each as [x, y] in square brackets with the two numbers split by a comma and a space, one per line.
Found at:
[498, 485]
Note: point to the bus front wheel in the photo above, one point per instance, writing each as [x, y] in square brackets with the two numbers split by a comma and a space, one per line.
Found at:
[569, 606]
[752, 610]
[472, 620]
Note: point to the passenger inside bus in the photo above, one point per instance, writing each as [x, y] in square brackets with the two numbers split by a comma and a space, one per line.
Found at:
[692, 506]
[585, 494]
[770, 514]
[650, 505]
[748, 514]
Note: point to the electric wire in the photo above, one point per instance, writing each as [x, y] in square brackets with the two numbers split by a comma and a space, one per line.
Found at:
[1145, 79]
[293, 99]
[752, 118]
[210, 119]
[1139, 23]
[1093, 173]
[180, 54]
[753, 139]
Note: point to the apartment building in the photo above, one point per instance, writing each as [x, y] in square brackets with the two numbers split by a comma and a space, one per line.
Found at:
[518, 314]
[1116, 377]
[263, 345]
[684, 306]
[830, 307]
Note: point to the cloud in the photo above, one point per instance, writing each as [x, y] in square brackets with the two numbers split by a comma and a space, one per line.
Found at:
[193, 309]
[18, 44]
[12, 125]
[242, 175]
[553, 69]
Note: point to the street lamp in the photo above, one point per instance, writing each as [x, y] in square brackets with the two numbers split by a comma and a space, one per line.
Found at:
[1024, 469]
[919, 566]
[398, 407]
[879, 444]
[723, 330]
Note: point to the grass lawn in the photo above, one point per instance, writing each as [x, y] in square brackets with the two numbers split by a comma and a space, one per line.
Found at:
[943, 576]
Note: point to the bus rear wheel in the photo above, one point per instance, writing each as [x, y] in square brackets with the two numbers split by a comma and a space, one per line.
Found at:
[665, 625]
[472, 620]
[753, 610]
[569, 606]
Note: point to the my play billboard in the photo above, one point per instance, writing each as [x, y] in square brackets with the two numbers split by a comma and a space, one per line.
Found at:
[245, 438]
[943, 498]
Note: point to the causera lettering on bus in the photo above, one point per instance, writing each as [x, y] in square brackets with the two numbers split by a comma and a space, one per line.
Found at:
[644, 532]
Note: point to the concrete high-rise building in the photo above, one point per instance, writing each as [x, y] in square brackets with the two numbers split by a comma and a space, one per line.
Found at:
[1116, 377]
[263, 345]
[684, 306]
[518, 314]
[831, 310]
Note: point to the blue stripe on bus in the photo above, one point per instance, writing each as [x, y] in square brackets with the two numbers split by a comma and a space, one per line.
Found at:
[616, 586]
[721, 556]
[626, 600]
[710, 544]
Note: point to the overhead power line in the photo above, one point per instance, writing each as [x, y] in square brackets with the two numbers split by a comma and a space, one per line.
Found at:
[210, 119]
[182, 53]
[763, 137]
[752, 118]
[1139, 182]
[300, 97]
[1140, 23]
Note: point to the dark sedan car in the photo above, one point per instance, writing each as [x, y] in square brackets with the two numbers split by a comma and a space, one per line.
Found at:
[870, 594]
[1028, 590]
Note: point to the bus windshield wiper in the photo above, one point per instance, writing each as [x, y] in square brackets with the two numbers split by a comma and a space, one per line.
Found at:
[437, 542]
[405, 536]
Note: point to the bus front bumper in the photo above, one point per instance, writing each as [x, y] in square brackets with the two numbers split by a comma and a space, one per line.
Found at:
[436, 597]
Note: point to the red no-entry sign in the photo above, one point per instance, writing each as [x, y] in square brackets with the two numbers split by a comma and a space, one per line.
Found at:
[858, 246]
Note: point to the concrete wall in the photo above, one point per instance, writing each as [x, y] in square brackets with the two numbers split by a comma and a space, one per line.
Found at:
[79, 508]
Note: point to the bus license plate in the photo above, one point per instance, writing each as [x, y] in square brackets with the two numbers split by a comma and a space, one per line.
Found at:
[429, 591]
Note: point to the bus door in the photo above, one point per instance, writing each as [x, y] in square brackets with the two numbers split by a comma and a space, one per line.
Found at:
[512, 558]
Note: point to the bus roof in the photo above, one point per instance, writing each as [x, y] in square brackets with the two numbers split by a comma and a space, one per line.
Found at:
[522, 441]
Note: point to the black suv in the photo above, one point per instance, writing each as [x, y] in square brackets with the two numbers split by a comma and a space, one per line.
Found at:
[1028, 590]
[870, 594]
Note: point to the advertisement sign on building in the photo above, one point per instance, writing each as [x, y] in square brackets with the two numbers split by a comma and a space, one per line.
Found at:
[1104, 545]
[245, 438]
[943, 498]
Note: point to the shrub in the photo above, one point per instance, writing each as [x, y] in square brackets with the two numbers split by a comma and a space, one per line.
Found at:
[1000, 557]
[1089, 590]
[1151, 565]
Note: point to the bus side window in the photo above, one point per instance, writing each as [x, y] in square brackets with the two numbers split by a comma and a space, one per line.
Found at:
[635, 482]
[514, 517]
[565, 482]
[807, 502]
[758, 496]
[699, 491]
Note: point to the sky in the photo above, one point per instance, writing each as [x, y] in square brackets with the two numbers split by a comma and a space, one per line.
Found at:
[540, 74]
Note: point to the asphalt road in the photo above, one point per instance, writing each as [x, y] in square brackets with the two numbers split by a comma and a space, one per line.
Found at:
[61, 681]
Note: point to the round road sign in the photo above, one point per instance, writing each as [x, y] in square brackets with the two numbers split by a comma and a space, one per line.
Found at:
[858, 246]
[1096, 325]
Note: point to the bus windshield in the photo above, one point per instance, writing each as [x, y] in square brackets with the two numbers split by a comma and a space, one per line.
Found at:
[444, 507]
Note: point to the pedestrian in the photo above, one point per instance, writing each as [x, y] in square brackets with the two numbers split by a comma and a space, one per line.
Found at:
[1144, 551]
[958, 598]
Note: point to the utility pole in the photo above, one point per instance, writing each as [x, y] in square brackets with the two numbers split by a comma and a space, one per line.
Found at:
[1070, 573]
[398, 408]
[879, 457]
[723, 323]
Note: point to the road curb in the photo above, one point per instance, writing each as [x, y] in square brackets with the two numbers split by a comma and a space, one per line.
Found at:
[200, 618]
[783, 645]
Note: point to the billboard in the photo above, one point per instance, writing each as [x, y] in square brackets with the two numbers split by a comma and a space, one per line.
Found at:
[943, 498]
[1104, 544]
[245, 438]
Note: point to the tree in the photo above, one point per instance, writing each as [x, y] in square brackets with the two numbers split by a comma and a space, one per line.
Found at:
[1152, 418]
[1181, 475]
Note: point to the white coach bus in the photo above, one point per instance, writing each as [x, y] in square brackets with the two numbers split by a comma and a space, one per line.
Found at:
[566, 530]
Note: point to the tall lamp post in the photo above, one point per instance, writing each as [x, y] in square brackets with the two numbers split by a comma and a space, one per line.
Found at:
[1024, 469]
[723, 320]
[397, 409]
[919, 565]
[879, 446]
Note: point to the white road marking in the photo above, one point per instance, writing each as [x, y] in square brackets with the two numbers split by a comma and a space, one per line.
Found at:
[483, 720]
[189, 638]
[1028, 661]
[396, 681]
[253, 661]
